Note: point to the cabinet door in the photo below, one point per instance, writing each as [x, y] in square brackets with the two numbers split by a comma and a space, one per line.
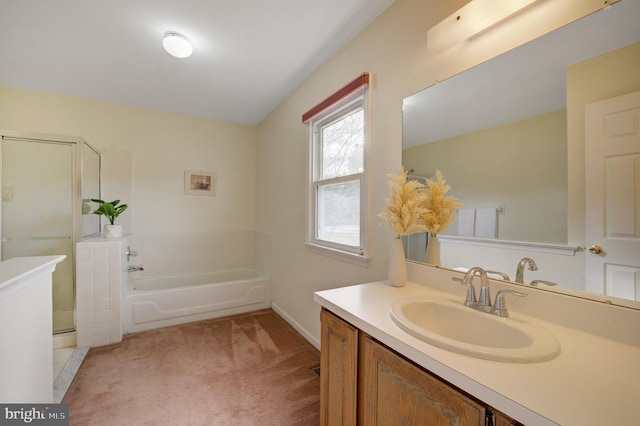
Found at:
[393, 391]
[338, 369]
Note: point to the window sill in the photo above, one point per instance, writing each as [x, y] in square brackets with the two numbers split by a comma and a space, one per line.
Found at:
[344, 256]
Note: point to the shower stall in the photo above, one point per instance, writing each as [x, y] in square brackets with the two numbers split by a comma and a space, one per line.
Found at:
[47, 183]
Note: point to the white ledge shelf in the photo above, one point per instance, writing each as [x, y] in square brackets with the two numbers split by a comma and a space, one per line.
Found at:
[561, 249]
[14, 271]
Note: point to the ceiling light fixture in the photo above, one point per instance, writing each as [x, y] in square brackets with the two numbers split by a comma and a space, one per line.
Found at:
[177, 45]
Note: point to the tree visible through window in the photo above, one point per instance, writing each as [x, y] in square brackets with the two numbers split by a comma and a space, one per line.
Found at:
[337, 174]
[341, 146]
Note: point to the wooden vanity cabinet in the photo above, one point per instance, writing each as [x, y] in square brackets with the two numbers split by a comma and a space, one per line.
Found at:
[393, 391]
[338, 370]
[364, 382]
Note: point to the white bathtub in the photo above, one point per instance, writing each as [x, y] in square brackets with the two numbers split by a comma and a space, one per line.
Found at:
[167, 300]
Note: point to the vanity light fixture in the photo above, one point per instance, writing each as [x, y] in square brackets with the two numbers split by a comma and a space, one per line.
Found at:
[177, 45]
[472, 20]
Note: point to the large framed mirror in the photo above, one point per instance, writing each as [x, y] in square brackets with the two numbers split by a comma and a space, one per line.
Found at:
[509, 137]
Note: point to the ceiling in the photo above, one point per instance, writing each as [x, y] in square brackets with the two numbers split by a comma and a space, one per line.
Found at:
[249, 55]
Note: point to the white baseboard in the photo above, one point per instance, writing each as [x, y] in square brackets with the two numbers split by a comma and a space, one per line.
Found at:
[315, 342]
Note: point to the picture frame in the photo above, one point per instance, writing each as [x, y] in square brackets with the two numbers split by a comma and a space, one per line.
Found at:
[199, 182]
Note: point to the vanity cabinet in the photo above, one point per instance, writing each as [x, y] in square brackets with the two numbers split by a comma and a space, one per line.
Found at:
[364, 382]
[338, 371]
[393, 391]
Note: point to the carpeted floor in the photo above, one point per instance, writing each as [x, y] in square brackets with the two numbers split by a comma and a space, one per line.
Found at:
[249, 369]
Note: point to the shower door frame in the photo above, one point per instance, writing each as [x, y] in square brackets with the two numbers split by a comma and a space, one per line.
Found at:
[78, 145]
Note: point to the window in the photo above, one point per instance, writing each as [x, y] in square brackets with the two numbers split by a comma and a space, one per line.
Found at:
[337, 172]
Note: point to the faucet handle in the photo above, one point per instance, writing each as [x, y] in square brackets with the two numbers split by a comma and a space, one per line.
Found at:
[484, 299]
[500, 306]
[130, 253]
[503, 275]
[536, 282]
[471, 292]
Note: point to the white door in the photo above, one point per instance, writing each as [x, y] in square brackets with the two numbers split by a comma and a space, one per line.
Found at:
[613, 196]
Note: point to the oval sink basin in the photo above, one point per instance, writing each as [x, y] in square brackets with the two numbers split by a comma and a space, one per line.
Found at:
[466, 331]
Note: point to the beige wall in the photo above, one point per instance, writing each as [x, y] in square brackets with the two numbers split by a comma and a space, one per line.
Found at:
[262, 171]
[162, 146]
[534, 197]
[394, 50]
[603, 77]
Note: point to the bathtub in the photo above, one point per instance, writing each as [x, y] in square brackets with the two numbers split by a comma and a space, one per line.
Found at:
[153, 302]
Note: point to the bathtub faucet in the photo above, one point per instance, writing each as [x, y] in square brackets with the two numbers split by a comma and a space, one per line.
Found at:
[135, 268]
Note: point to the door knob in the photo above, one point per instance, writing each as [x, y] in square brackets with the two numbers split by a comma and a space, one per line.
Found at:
[595, 249]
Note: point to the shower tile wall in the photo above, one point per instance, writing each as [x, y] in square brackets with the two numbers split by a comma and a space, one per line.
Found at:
[100, 271]
[100, 261]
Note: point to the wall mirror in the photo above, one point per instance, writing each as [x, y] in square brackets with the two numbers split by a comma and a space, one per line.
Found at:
[508, 136]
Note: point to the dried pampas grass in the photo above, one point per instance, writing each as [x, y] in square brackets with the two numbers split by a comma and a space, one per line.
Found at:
[439, 209]
[405, 205]
[413, 207]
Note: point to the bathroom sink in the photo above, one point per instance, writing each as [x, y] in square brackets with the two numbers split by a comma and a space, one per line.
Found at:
[460, 329]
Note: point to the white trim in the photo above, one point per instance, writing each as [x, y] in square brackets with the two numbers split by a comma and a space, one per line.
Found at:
[311, 338]
[566, 250]
[365, 195]
[356, 259]
[353, 254]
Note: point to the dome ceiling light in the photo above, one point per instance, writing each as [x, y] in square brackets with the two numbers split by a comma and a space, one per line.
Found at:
[177, 45]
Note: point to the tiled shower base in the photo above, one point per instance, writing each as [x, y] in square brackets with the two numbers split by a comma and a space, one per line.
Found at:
[65, 371]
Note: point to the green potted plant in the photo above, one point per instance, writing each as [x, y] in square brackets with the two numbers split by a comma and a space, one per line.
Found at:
[111, 210]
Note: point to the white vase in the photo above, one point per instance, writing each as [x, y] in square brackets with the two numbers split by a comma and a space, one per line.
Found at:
[112, 231]
[433, 251]
[397, 264]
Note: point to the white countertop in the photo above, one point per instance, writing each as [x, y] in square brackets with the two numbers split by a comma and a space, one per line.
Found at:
[594, 380]
[13, 271]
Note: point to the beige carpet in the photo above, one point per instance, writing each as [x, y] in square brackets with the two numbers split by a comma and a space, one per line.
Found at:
[249, 369]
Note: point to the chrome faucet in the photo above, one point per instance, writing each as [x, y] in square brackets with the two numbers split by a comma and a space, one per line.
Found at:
[483, 303]
[500, 307]
[130, 253]
[525, 261]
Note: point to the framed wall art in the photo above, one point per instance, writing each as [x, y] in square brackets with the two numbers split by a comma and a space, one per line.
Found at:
[199, 183]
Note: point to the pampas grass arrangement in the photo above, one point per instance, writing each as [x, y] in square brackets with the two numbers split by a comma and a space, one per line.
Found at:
[405, 205]
[438, 209]
[413, 207]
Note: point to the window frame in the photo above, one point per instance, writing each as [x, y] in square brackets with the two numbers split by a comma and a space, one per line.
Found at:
[358, 99]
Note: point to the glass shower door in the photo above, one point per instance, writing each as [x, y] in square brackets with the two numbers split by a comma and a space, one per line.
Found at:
[37, 213]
